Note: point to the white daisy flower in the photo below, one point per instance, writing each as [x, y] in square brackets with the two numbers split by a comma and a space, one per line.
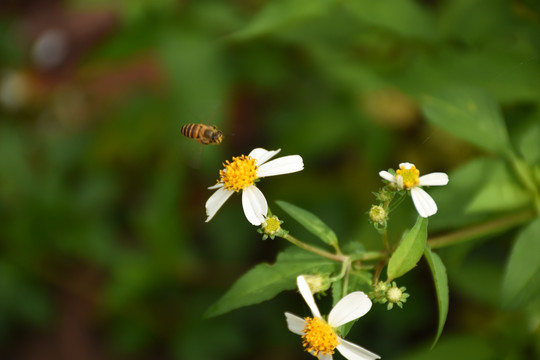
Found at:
[242, 173]
[319, 336]
[408, 177]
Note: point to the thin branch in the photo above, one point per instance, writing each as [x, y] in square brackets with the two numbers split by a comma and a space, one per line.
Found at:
[480, 230]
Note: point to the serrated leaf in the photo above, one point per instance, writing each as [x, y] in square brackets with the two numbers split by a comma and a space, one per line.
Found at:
[280, 14]
[468, 114]
[265, 281]
[409, 250]
[310, 222]
[440, 280]
[521, 282]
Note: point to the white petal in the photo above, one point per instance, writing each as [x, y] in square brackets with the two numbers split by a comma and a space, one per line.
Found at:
[399, 181]
[295, 323]
[303, 287]
[425, 205]
[387, 176]
[254, 204]
[215, 202]
[262, 155]
[406, 165]
[354, 352]
[433, 179]
[217, 186]
[325, 357]
[282, 165]
[349, 308]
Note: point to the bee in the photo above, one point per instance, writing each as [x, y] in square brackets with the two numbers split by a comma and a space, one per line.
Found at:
[202, 133]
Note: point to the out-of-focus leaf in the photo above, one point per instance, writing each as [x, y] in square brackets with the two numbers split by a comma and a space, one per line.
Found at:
[409, 250]
[310, 222]
[459, 19]
[404, 17]
[500, 192]
[22, 298]
[474, 277]
[11, 50]
[265, 281]
[16, 175]
[280, 14]
[507, 75]
[440, 280]
[454, 198]
[529, 143]
[465, 346]
[196, 75]
[468, 114]
[521, 282]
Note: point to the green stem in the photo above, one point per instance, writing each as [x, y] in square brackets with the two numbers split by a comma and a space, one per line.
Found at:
[397, 203]
[315, 250]
[525, 175]
[384, 239]
[347, 265]
[481, 230]
[372, 255]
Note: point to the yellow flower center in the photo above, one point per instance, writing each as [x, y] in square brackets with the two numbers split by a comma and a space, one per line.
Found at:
[410, 176]
[238, 174]
[319, 337]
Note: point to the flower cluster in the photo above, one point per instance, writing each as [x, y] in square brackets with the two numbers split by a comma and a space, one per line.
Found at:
[321, 335]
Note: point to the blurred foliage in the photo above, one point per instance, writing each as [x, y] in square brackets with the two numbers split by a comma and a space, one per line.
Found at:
[104, 249]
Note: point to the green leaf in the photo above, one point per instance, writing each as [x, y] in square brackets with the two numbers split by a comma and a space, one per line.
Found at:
[521, 282]
[404, 17]
[440, 280]
[528, 144]
[499, 193]
[409, 251]
[468, 114]
[458, 20]
[281, 14]
[265, 281]
[310, 222]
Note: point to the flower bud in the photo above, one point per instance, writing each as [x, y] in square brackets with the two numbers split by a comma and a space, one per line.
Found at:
[396, 296]
[377, 214]
[317, 282]
[272, 227]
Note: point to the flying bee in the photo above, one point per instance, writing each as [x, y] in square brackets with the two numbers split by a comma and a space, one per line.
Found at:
[202, 133]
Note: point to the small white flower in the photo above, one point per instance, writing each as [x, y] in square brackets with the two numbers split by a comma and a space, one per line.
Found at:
[319, 337]
[242, 173]
[408, 177]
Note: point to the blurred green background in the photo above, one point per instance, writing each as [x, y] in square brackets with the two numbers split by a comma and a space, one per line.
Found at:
[104, 250]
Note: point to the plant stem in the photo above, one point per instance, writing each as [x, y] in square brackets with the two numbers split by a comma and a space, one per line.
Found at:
[384, 238]
[315, 250]
[480, 230]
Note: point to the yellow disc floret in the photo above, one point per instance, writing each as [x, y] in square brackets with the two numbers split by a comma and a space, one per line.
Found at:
[410, 175]
[238, 174]
[319, 337]
[272, 225]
